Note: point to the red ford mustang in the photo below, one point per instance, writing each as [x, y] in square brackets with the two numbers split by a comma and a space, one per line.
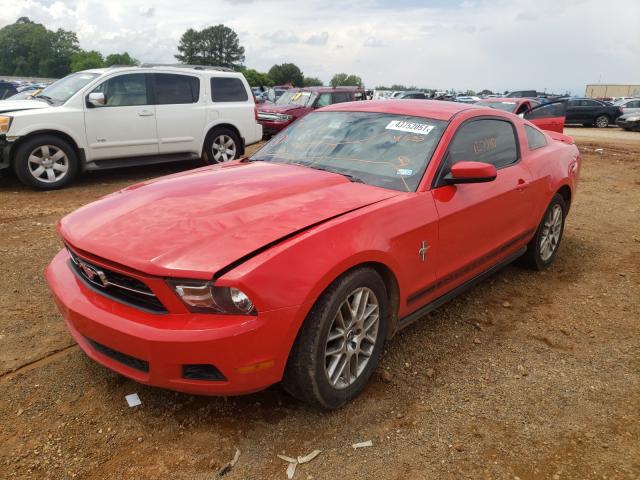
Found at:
[296, 264]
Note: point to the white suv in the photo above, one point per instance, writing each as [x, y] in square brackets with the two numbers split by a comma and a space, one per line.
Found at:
[122, 116]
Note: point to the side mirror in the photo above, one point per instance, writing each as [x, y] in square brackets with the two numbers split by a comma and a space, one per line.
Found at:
[96, 99]
[471, 172]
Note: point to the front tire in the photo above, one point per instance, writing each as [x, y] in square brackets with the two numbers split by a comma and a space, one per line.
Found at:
[340, 342]
[222, 145]
[601, 121]
[45, 162]
[543, 247]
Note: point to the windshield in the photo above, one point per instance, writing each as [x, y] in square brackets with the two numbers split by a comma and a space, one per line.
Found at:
[62, 90]
[506, 106]
[299, 98]
[389, 151]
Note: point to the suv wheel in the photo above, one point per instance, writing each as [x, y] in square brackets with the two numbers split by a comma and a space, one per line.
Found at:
[340, 343]
[222, 145]
[601, 121]
[543, 247]
[46, 162]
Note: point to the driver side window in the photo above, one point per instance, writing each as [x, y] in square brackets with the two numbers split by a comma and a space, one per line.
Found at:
[486, 140]
[125, 90]
[324, 99]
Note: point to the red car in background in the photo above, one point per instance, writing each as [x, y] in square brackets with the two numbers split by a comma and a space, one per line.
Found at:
[547, 115]
[297, 102]
[296, 264]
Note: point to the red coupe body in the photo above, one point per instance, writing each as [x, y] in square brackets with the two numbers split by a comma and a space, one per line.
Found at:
[282, 233]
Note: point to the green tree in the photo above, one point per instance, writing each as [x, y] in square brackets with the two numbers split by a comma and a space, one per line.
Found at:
[312, 82]
[64, 45]
[486, 92]
[256, 78]
[286, 73]
[344, 79]
[216, 46]
[85, 60]
[25, 49]
[120, 59]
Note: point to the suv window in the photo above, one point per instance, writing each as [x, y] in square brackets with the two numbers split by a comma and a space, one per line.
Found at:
[535, 138]
[125, 90]
[340, 97]
[226, 89]
[324, 99]
[173, 89]
[490, 141]
[635, 104]
[590, 103]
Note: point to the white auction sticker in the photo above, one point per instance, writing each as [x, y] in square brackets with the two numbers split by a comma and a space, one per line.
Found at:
[411, 127]
[405, 172]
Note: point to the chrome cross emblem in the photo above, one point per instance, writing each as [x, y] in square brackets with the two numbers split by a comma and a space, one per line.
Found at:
[423, 250]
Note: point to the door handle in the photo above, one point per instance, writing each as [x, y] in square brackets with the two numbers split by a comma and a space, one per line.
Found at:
[522, 184]
[145, 113]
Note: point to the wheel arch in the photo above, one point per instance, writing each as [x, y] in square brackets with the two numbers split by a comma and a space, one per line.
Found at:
[212, 128]
[56, 133]
[565, 192]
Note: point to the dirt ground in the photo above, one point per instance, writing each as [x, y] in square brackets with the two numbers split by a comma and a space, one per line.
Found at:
[529, 375]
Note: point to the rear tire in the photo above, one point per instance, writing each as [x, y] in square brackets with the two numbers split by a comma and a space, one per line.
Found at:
[45, 162]
[340, 342]
[544, 245]
[221, 145]
[601, 121]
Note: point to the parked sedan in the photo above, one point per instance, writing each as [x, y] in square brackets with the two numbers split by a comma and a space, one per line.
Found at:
[297, 264]
[629, 121]
[544, 114]
[591, 112]
[629, 106]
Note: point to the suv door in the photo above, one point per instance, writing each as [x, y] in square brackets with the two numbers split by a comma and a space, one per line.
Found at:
[482, 223]
[179, 121]
[125, 126]
[548, 116]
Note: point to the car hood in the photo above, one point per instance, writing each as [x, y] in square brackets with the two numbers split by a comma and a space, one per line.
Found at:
[196, 223]
[273, 108]
[16, 105]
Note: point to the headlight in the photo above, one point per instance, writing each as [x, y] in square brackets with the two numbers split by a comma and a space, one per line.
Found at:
[201, 296]
[635, 118]
[5, 123]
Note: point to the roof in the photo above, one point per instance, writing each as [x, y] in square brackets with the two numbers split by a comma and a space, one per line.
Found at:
[435, 109]
[505, 99]
[172, 68]
[327, 89]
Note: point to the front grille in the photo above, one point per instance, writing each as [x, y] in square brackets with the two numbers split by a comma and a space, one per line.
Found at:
[115, 285]
[123, 358]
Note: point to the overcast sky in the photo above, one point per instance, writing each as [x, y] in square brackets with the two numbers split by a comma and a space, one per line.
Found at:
[556, 45]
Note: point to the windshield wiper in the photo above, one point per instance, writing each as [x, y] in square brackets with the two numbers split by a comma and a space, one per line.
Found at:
[347, 175]
[47, 99]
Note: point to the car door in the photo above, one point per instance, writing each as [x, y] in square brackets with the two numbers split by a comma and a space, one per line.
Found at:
[548, 116]
[589, 109]
[481, 224]
[574, 112]
[125, 126]
[179, 118]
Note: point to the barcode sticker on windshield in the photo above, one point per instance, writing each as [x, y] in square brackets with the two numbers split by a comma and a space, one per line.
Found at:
[411, 127]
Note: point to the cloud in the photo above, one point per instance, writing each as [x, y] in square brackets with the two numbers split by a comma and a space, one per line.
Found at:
[147, 12]
[373, 42]
[465, 44]
[318, 39]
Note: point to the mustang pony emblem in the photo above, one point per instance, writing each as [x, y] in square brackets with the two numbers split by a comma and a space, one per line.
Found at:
[423, 250]
[93, 274]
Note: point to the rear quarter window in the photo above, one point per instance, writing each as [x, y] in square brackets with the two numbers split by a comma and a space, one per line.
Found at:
[226, 89]
[535, 138]
[172, 89]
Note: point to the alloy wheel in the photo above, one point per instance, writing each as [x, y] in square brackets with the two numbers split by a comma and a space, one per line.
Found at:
[352, 338]
[48, 163]
[602, 122]
[551, 230]
[223, 149]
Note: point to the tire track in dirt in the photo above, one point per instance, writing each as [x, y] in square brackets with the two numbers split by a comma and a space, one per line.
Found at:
[39, 362]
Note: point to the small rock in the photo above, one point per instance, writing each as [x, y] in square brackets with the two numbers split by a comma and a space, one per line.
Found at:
[139, 439]
[430, 372]
[386, 376]
[506, 304]
[477, 341]
[399, 415]
[20, 412]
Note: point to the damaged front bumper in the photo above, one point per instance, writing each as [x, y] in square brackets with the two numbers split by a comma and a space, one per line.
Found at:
[5, 151]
